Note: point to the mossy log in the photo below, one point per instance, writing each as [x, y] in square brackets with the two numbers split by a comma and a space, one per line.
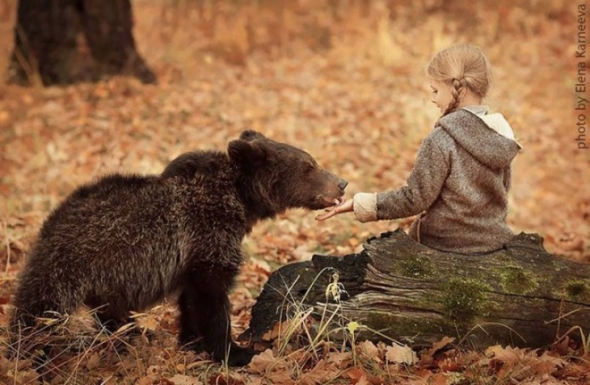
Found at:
[520, 295]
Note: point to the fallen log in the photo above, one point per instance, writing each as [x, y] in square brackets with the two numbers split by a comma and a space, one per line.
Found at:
[397, 288]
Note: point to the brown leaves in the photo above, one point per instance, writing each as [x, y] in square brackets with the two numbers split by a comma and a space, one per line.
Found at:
[401, 355]
[181, 379]
[321, 373]
[521, 364]
[340, 360]
[268, 366]
[359, 376]
[263, 361]
[370, 351]
[427, 357]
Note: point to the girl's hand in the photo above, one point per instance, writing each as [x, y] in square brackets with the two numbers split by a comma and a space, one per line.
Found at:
[344, 207]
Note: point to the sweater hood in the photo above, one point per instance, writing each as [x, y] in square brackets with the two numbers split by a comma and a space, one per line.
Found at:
[487, 137]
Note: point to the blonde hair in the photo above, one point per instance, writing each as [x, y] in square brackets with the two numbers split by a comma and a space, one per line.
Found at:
[463, 67]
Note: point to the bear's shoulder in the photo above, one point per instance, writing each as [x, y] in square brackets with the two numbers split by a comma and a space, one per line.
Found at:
[190, 164]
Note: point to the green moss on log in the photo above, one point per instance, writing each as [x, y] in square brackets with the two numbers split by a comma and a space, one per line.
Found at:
[396, 326]
[416, 267]
[578, 290]
[463, 299]
[514, 279]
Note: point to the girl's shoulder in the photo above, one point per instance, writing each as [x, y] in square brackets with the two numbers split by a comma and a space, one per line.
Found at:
[439, 136]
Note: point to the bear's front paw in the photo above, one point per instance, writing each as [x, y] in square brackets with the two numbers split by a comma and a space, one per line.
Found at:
[239, 356]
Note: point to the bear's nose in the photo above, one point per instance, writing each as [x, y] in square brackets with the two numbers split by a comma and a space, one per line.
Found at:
[342, 184]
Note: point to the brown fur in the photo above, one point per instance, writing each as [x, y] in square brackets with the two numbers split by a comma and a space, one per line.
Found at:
[125, 242]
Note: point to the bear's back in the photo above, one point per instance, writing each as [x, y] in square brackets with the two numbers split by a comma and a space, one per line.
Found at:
[106, 202]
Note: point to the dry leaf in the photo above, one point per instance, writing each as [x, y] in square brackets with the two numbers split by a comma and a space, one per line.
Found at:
[547, 364]
[357, 376]
[222, 379]
[401, 354]
[508, 355]
[181, 379]
[260, 266]
[148, 380]
[149, 322]
[450, 365]
[340, 359]
[320, 374]
[93, 361]
[254, 380]
[261, 362]
[282, 377]
[369, 350]
[439, 345]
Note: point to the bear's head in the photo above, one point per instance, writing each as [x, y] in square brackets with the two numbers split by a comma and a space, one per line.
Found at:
[276, 176]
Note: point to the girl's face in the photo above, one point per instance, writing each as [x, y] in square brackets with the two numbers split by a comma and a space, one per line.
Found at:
[441, 94]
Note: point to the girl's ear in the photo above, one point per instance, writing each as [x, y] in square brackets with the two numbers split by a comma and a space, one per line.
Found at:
[246, 153]
[463, 92]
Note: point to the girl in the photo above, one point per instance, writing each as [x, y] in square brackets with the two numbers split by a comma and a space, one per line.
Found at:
[461, 175]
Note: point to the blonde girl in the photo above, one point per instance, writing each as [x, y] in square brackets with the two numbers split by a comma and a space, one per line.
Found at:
[460, 180]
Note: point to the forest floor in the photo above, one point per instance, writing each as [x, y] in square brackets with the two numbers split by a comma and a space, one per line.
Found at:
[345, 82]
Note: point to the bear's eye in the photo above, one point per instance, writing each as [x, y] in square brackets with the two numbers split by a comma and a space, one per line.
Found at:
[308, 168]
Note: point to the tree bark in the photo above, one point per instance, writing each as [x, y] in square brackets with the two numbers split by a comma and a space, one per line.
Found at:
[397, 288]
[45, 41]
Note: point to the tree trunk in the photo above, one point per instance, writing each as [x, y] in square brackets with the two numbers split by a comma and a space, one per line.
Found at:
[45, 45]
[520, 295]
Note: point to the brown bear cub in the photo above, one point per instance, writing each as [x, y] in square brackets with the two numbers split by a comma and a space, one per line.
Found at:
[125, 242]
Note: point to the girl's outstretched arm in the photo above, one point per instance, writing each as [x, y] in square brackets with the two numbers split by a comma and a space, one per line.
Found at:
[431, 168]
[423, 187]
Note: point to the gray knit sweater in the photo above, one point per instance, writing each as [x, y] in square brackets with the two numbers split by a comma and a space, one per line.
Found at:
[459, 183]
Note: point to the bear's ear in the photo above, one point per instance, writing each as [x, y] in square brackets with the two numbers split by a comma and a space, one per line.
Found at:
[245, 152]
[250, 135]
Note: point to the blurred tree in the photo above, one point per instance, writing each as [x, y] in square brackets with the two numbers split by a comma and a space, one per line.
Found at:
[46, 41]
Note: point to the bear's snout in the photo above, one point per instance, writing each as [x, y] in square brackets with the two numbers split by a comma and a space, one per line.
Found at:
[342, 184]
[331, 193]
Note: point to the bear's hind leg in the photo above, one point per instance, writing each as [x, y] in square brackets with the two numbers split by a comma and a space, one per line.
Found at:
[32, 301]
[206, 325]
[110, 313]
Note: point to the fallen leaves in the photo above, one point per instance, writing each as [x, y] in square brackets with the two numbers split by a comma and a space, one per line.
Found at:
[359, 376]
[262, 362]
[358, 117]
[523, 363]
[369, 350]
[272, 368]
[401, 354]
[321, 373]
[340, 360]
[429, 354]
[181, 379]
